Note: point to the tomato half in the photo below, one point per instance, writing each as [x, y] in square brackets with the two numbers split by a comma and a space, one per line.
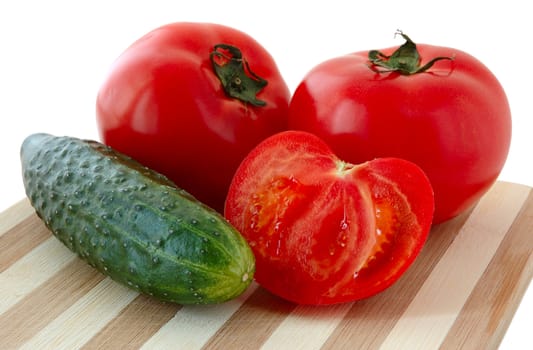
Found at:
[438, 107]
[325, 231]
[190, 100]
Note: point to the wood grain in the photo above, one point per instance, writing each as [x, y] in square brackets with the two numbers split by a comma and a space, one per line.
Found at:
[144, 314]
[14, 215]
[14, 245]
[502, 285]
[41, 306]
[430, 315]
[461, 292]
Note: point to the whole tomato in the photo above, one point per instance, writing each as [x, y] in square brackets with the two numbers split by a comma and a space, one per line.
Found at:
[435, 106]
[325, 231]
[190, 100]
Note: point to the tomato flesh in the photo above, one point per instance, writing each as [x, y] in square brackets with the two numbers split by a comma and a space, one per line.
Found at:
[325, 231]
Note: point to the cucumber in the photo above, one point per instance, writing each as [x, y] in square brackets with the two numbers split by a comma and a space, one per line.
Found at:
[133, 224]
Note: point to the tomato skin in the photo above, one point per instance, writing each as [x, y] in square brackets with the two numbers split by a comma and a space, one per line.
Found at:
[324, 231]
[163, 105]
[453, 120]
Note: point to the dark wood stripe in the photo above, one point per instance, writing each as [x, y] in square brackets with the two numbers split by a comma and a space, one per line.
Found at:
[502, 285]
[21, 239]
[359, 328]
[253, 323]
[135, 324]
[44, 304]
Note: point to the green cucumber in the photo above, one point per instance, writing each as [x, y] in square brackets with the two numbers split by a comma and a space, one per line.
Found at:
[133, 224]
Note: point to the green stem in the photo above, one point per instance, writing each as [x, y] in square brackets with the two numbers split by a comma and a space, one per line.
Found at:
[405, 60]
[235, 74]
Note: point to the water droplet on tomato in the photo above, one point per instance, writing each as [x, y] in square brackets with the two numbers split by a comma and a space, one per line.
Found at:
[254, 221]
[256, 208]
[341, 241]
[344, 225]
[278, 247]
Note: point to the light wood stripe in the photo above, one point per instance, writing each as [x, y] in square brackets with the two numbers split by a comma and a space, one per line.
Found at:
[134, 325]
[14, 246]
[83, 319]
[32, 270]
[512, 265]
[430, 316]
[15, 214]
[369, 321]
[307, 327]
[193, 326]
[253, 323]
[21, 322]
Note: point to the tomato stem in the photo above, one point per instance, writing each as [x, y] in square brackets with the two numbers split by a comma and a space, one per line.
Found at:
[235, 74]
[405, 60]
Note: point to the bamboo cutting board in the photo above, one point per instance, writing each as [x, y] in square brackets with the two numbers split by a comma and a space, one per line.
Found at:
[461, 292]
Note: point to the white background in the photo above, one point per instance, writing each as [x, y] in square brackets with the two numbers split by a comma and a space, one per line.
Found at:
[55, 54]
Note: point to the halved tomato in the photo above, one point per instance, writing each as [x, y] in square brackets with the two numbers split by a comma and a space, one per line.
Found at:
[325, 231]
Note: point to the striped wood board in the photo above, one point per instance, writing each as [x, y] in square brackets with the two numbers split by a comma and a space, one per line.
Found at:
[461, 292]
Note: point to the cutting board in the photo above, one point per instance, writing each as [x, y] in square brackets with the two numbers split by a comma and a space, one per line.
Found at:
[461, 292]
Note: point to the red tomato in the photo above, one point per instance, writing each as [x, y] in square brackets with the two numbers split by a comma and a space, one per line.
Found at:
[451, 117]
[190, 100]
[324, 231]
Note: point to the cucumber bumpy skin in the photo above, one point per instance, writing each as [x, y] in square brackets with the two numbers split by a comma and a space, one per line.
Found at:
[132, 223]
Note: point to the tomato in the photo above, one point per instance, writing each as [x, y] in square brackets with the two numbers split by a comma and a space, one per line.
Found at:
[190, 100]
[435, 106]
[324, 231]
